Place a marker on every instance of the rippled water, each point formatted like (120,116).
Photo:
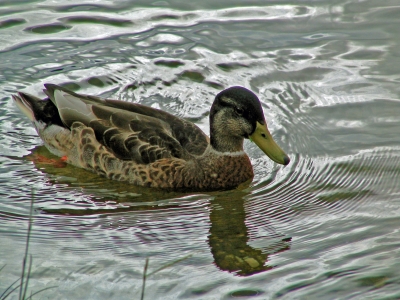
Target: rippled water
(324,227)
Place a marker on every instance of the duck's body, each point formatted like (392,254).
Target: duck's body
(149,147)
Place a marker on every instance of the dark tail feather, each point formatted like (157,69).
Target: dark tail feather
(37,109)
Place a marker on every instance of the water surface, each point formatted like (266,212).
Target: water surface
(323,227)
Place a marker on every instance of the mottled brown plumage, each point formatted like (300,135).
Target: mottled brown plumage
(149,147)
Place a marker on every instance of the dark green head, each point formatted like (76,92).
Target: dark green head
(239,102)
(236,114)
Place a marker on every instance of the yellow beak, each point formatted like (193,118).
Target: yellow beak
(264,140)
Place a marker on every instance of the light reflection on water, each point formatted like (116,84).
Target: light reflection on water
(327,224)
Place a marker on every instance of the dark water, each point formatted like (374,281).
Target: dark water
(324,227)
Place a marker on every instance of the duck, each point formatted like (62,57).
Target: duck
(149,147)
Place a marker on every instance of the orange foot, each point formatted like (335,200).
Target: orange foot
(40,159)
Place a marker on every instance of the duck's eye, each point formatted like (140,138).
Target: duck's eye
(238,111)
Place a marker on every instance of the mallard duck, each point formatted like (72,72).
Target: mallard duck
(150,147)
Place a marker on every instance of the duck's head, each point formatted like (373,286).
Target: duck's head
(236,114)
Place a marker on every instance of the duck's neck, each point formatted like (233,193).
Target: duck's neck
(211,151)
(224,132)
(226,143)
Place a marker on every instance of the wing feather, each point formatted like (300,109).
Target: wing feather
(130,131)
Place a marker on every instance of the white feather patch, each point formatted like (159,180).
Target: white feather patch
(72,108)
(25,107)
(211,150)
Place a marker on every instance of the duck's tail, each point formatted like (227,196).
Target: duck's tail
(24,105)
(38,110)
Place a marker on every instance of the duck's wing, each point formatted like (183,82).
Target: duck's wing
(130,131)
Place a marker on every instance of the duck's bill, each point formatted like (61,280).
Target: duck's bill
(263,139)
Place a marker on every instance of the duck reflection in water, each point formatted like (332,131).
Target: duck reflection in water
(228,236)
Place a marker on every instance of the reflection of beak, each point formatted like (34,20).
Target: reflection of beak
(264,140)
